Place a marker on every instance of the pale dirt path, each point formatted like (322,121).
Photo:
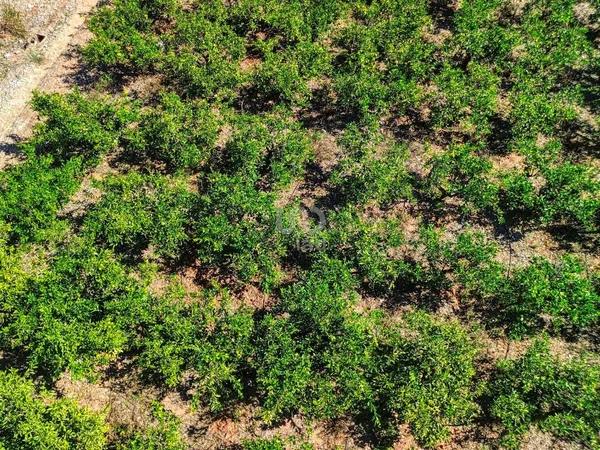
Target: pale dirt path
(54,73)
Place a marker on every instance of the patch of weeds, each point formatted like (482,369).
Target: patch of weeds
(11,21)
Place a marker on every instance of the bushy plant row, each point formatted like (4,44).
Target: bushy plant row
(236,226)
(546,191)
(315,353)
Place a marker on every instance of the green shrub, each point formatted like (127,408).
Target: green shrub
(564,294)
(536,109)
(467,262)
(518,197)
(76,315)
(359,84)
(16,267)
(539,155)
(302,365)
(383,57)
(162,9)
(560,397)
(138,212)
(32,194)
(203,54)
(246,150)
(556,45)
(293,21)
(76,125)
(273,149)
(466,98)
(283,76)
(279,79)
(123,38)
(420,372)
(180,134)
(208,338)
(290,151)
(237,228)
(400,25)
(425,377)
(365,245)
(479,32)
(264,444)
(550,193)
(372,177)
(36,419)
(461,172)
(572,194)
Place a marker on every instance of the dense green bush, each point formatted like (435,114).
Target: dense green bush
(560,397)
(565,295)
(556,45)
(264,444)
(179,134)
(77,314)
(32,194)
(467,262)
(420,372)
(237,227)
(546,192)
(246,150)
(283,76)
(359,85)
(75,125)
(536,109)
(562,296)
(572,195)
(140,212)
(14,276)
(35,419)
(479,33)
(209,338)
(76,131)
(123,38)
(203,53)
(290,151)
(292,21)
(455,104)
(518,197)
(301,365)
(425,376)
(271,149)
(365,246)
(374,175)
(461,171)
(383,57)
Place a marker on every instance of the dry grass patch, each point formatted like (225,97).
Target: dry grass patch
(11,22)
